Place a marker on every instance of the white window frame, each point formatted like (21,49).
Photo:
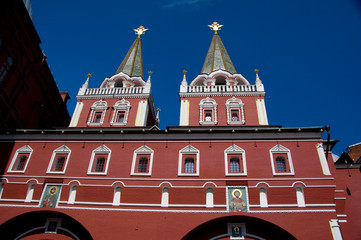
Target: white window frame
(204,105)
(235,104)
(102,150)
(72,194)
(235,150)
(23,150)
(117,195)
(99,106)
(63,150)
(241,225)
(143,150)
(165,197)
(188,150)
(300,196)
(30,192)
(279,149)
(209,197)
(1,189)
(119,106)
(263,200)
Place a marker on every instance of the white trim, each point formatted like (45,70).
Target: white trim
(1,189)
(235,104)
(23,150)
(116,195)
(61,150)
(209,197)
(122,105)
(208,104)
(335,229)
(30,192)
(263,202)
(341,215)
(323,160)
(142,113)
(184,113)
(235,150)
(72,194)
(76,115)
(165,197)
(300,196)
(146,151)
(103,150)
(261,112)
(99,106)
(281,150)
(188,150)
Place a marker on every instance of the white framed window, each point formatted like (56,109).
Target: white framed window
(208,112)
(209,197)
(165,197)
(20,160)
(235,112)
(97,114)
(30,192)
(99,161)
(263,202)
(188,161)
(116,196)
(121,112)
(72,194)
(52,225)
(142,161)
(1,189)
(235,161)
(300,196)
(281,160)
(236,230)
(59,160)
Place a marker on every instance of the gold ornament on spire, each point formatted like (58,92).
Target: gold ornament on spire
(215,26)
(256,70)
(184,71)
(150,72)
(140,31)
(89,74)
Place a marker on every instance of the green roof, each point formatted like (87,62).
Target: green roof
(132,64)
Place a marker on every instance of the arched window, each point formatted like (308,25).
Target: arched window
(142,165)
(21,159)
(97,114)
(208,111)
(263,197)
(189,165)
(30,192)
(234,165)
(235,113)
(72,194)
(300,197)
(59,160)
(121,112)
(99,161)
(116,197)
(281,160)
(118,83)
(209,197)
(235,161)
(165,197)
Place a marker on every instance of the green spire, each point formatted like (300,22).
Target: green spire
(132,64)
(217,56)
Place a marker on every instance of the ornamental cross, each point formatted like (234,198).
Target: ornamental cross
(215,26)
(140,30)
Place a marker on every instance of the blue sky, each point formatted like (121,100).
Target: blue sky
(308,52)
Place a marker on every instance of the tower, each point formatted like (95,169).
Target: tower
(123,100)
(219,96)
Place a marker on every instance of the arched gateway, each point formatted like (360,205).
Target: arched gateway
(43,225)
(238,227)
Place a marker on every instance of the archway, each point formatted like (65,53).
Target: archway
(43,225)
(252,228)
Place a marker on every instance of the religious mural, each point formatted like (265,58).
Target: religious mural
(50,196)
(237,199)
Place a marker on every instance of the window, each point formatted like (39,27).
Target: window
(116,197)
(209,197)
(72,194)
(165,197)
(59,160)
(30,192)
(52,225)
(1,189)
(97,113)
(142,161)
(300,197)
(120,115)
(263,197)
(189,165)
(188,162)
(235,161)
(21,159)
(281,160)
(235,113)
(208,111)
(99,161)
(5,67)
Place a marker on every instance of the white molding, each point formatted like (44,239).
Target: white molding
(235,104)
(104,150)
(188,150)
(146,151)
(23,150)
(76,115)
(122,105)
(100,106)
(60,150)
(281,149)
(184,113)
(208,104)
(322,158)
(235,150)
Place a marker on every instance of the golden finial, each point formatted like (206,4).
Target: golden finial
(256,70)
(158,109)
(150,72)
(215,26)
(184,71)
(140,30)
(89,74)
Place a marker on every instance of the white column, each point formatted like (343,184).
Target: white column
(300,197)
(165,197)
(322,157)
(30,192)
(116,198)
(209,197)
(263,197)
(72,194)
(335,229)
(76,115)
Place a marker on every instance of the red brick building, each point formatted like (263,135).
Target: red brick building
(223,173)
